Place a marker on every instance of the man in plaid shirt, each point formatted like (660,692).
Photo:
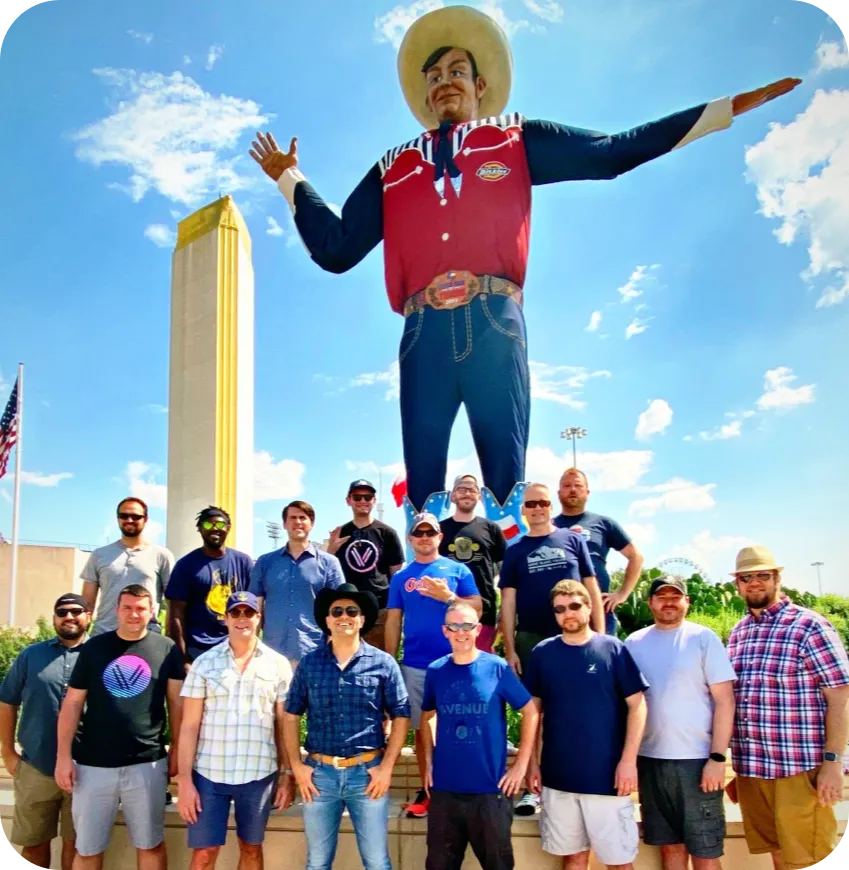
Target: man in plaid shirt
(791,724)
(232,747)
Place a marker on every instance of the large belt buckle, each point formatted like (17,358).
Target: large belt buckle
(336,760)
(451,290)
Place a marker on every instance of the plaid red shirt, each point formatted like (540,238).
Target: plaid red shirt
(783,661)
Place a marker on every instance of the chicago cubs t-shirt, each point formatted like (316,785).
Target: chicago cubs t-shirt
(205,583)
(424,617)
(126,681)
(369,554)
(470,755)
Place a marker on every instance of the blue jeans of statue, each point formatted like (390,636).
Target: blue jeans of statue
(475,355)
(338,790)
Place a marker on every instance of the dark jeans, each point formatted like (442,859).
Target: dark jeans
(456,820)
(475,355)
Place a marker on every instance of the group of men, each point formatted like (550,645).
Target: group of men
(316,632)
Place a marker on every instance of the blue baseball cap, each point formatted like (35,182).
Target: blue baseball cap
(243,599)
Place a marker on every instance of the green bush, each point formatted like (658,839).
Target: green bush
(13,640)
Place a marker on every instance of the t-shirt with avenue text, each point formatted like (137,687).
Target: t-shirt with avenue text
(368,555)
(424,617)
(479,544)
(205,583)
(126,681)
(470,755)
(583,691)
(533,565)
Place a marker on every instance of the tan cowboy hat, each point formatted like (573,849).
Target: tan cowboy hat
(755,558)
(459,27)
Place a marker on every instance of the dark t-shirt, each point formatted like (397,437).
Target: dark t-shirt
(532,566)
(205,584)
(368,556)
(126,682)
(602,535)
(479,544)
(583,691)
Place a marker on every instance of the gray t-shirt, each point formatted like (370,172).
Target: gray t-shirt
(680,666)
(114,567)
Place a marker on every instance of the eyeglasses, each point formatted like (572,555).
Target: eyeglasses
(461,626)
(423,533)
(362,496)
(218,525)
(572,605)
(350,610)
(537,502)
(763,576)
(134,517)
(242,612)
(62,612)
(466,490)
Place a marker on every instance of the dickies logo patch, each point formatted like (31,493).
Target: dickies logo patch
(492,170)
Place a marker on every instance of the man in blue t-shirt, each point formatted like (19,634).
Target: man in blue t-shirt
(470,788)
(419,595)
(200,584)
(602,535)
(591,695)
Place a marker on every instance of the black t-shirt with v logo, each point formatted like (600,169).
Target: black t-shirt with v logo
(369,554)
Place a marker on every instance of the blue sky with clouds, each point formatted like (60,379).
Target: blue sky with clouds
(692,315)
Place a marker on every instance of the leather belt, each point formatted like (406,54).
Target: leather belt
(453,289)
(339,761)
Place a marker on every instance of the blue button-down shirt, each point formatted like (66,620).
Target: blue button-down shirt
(346,707)
(289,587)
(37,681)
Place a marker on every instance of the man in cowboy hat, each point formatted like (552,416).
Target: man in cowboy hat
(453,206)
(347,688)
(791,723)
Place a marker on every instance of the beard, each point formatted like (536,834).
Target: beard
(758,601)
(574,627)
(70,632)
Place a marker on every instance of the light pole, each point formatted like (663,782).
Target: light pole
(274,532)
(573,433)
(818,565)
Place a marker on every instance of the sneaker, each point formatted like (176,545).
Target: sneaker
(169,798)
(419,807)
(527,805)
(511,749)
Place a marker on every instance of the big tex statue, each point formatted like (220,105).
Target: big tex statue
(453,208)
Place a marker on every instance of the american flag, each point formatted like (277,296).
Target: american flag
(8,429)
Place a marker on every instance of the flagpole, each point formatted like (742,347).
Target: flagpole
(13,577)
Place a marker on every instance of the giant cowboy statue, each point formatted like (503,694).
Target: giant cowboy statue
(453,208)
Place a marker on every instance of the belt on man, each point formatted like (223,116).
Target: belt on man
(339,761)
(452,289)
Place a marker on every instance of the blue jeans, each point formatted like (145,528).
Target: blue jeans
(475,355)
(339,789)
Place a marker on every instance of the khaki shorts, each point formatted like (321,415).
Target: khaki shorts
(785,814)
(377,636)
(40,808)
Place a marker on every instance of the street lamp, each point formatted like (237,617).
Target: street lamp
(818,565)
(275,532)
(573,433)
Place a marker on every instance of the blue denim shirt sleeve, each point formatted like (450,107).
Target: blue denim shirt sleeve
(296,699)
(257,584)
(11,692)
(334,577)
(396,700)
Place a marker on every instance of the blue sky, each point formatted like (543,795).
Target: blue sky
(692,315)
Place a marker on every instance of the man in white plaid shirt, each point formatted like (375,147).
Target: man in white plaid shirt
(231,746)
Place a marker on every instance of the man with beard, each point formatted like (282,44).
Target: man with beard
(129,560)
(369,551)
(791,724)
(602,534)
(681,764)
(36,682)
(201,584)
(479,544)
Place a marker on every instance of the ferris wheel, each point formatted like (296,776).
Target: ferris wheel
(683,567)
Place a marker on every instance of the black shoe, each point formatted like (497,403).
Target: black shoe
(169,798)
(527,805)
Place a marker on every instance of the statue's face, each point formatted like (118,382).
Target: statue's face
(452,92)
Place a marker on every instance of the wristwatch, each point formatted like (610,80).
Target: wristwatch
(452,600)
(718,756)
(831,756)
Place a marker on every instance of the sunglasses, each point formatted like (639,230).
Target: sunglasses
(562,608)
(62,612)
(466,490)
(242,612)
(218,525)
(134,517)
(350,610)
(362,496)
(461,626)
(763,576)
(538,502)
(423,533)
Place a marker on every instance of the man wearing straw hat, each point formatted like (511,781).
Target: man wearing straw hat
(791,723)
(453,207)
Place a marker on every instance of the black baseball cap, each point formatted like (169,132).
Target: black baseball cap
(361,484)
(675,582)
(71,598)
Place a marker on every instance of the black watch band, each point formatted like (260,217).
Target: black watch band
(718,756)
(831,756)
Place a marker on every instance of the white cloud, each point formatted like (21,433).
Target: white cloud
(153,531)
(715,554)
(636,285)
(156,408)
(801,170)
(636,326)
(370,469)
(495,10)
(277,480)
(677,495)
(5,496)
(36,478)
(595,321)
(392,26)
(186,60)
(654,420)
(213,55)
(731,429)
(146,38)
(831,55)
(607,472)
(161,235)
(779,395)
(561,384)
(173,136)
(389,377)
(274,228)
(643,534)
(141,477)
(548,10)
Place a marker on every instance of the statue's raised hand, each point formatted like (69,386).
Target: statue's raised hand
(273,161)
(752,99)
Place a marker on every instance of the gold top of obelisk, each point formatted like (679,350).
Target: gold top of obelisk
(221,213)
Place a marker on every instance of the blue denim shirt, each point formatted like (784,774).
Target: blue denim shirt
(37,681)
(346,707)
(289,587)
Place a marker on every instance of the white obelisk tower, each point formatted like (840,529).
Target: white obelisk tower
(210,405)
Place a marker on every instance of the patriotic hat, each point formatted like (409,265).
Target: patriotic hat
(459,27)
